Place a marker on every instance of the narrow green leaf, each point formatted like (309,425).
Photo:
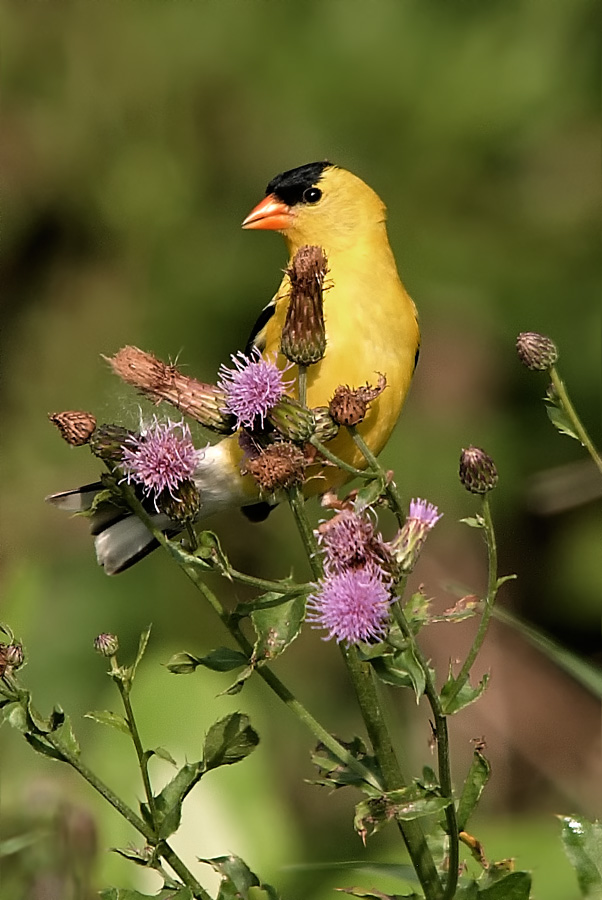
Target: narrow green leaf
(477,778)
(222,659)
(238,881)
(168,803)
(452,702)
(182,893)
(582,841)
(336,773)
(68,738)
(142,644)
(369,494)
(106,717)
(473,521)
(237,686)
(163,754)
(560,420)
(403,669)
(228,741)
(276,624)
(417,611)
(18,718)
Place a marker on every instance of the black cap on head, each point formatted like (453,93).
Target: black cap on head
(289,186)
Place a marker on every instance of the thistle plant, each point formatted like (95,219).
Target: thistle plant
(356,599)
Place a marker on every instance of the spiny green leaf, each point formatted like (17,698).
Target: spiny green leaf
(222,659)
(474,521)
(477,778)
(106,717)
(229,740)
(163,754)
(369,494)
(142,644)
(582,841)
(237,686)
(169,802)
(277,624)
(560,420)
(339,774)
(403,669)
(453,700)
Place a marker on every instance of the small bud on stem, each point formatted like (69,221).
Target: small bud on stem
(304,335)
(536,351)
(349,406)
(478,473)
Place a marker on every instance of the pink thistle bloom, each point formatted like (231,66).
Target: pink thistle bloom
(160,458)
(252,387)
(352,605)
(349,541)
(406,546)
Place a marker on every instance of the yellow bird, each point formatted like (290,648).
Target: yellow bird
(371,329)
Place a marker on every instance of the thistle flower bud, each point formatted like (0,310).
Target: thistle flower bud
(536,351)
(14,656)
(325,426)
(293,420)
(407,544)
(203,402)
(304,335)
(478,473)
(349,406)
(106,644)
(182,506)
(75,427)
(279,466)
(108,442)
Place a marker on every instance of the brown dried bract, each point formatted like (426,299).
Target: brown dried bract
(278,466)
(304,334)
(349,405)
(161,382)
(75,427)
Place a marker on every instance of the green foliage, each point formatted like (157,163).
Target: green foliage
(582,841)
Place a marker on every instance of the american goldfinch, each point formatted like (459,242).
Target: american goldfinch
(371,329)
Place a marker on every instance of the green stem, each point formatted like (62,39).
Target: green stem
(324,451)
(443,756)
(124,690)
(263,584)
(492,589)
(124,810)
(302,383)
(364,682)
(389,486)
(571,413)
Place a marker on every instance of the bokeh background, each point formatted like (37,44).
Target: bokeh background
(136,137)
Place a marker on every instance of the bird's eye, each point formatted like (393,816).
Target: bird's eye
(312,195)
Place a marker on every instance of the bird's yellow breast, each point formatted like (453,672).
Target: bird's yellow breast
(371,329)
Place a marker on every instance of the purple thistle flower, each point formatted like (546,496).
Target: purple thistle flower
(252,388)
(349,541)
(352,605)
(408,543)
(160,458)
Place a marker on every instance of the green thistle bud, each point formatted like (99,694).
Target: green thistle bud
(536,351)
(478,473)
(106,644)
(326,427)
(108,442)
(293,420)
(182,506)
(304,335)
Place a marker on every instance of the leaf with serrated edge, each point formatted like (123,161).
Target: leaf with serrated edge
(106,717)
(277,625)
(467,694)
(141,648)
(561,421)
(229,740)
(477,778)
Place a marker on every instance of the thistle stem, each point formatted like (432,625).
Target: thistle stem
(124,690)
(571,413)
(302,383)
(492,589)
(443,756)
(389,486)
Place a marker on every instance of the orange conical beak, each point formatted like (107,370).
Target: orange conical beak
(270,215)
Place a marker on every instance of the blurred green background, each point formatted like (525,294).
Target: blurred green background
(136,138)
